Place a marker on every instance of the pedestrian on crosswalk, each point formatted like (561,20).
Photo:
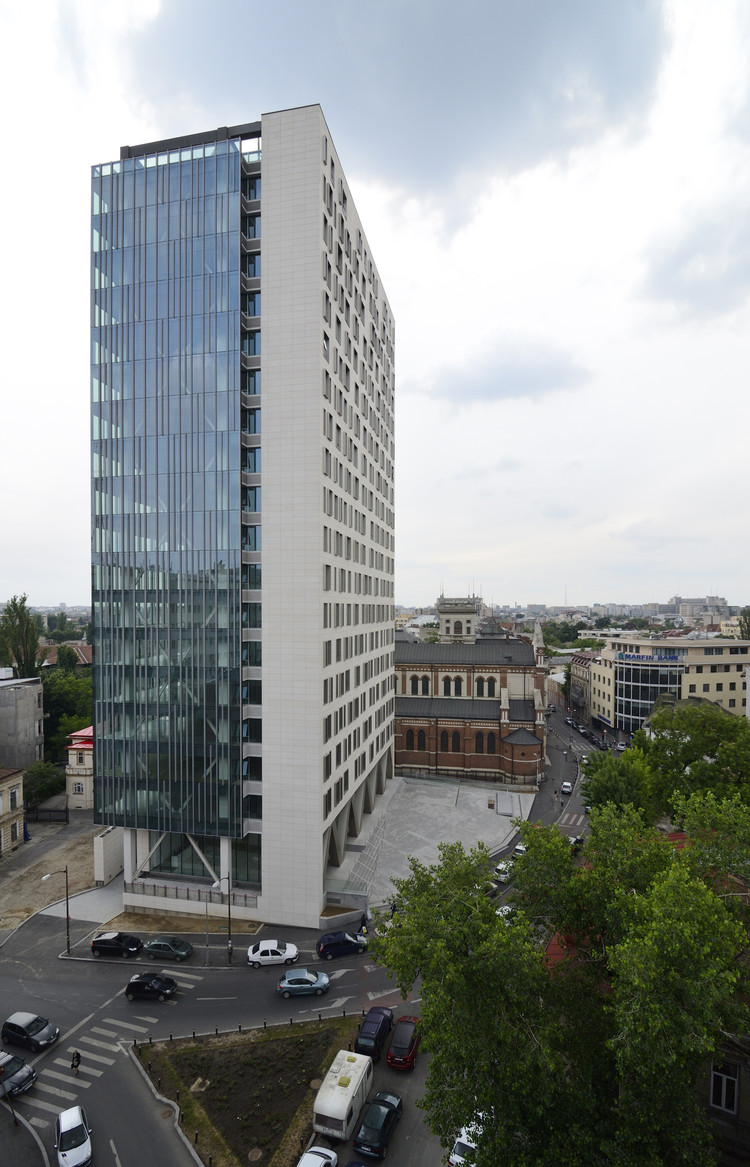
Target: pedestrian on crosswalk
(75,1062)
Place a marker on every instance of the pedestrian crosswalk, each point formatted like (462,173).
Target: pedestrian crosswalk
(572,820)
(100,1044)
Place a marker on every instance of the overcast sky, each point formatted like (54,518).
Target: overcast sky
(556,195)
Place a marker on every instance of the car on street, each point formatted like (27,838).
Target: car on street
(116,944)
(402,1052)
(620,747)
(576,843)
(519,850)
(16,1075)
(566,788)
(73,1138)
(373,1031)
(272,952)
(29,1030)
(465,1145)
(504,870)
(569,721)
(377,1127)
(318,1157)
(505,912)
(151,985)
(302,982)
(168,948)
(340,944)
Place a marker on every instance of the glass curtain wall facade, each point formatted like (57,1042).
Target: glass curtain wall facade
(167,495)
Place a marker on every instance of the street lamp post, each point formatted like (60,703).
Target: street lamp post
(63,871)
(218,884)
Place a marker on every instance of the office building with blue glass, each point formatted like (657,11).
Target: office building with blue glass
(242,371)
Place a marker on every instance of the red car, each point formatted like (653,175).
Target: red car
(402,1052)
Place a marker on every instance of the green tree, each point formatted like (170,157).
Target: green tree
(19,639)
(695,747)
(622,780)
(576,1060)
(744,624)
(40,781)
(67,660)
(68,706)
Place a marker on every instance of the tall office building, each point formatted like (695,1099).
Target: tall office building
(243,517)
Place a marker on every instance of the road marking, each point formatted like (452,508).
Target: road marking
(114,1152)
(104,1032)
(40,1085)
(185,973)
(42,1123)
(110,1045)
(40,1104)
(69,1078)
(127,1025)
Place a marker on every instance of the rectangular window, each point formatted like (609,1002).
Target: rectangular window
(14,798)
(14,832)
(706,688)
(724,1087)
(691,688)
(719,687)
(79,758)
(78,787)
(732,702)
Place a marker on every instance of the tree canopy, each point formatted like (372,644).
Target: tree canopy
(19,639)
(576,1054)
(68,706)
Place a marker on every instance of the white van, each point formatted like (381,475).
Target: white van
(342,1095)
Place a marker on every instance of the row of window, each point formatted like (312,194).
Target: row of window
(453,686)
(451,743)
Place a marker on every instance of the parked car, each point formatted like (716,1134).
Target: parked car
(340,944)
(303,981)
(504,870)
(576,843)
(318,1157)
(150,985)
(272,952)
(465,1145)
(519,850)
(73,1138)
(17,1076)
(569,721)
(402,1052)
(116,944)
(566,788)
(29,1030)
(377,1127)
(620,746)
(168,948)
(373,1032)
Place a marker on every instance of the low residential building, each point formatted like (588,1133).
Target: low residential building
(633,671)
(21,721)
(11,810)
(79,772)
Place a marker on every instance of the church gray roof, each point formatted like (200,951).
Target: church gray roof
(460,708)
(522,737)
(489,654)
(463,708)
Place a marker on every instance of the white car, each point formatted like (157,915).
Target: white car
(620,747)
(73,1138)
(503,871)
(566,788)
(519,850)
(318,1157)
(465,1145)
(272,952)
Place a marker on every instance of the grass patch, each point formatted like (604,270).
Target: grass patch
(249,1092)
